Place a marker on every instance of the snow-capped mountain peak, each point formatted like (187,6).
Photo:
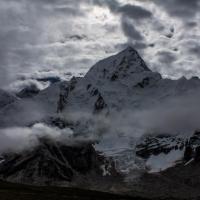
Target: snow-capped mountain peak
(112,82)
(120,66)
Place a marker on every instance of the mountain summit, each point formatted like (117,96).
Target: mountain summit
(119,66)
(112,83)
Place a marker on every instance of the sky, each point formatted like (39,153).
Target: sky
(60,38)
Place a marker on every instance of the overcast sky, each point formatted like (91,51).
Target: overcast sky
(55,37)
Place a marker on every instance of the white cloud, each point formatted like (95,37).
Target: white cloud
(17,139)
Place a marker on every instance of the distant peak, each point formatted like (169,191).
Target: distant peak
(120,65)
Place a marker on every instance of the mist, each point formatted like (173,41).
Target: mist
(18,139)
(178,115)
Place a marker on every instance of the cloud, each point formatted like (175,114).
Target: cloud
(177,115)
(166,57)
(180,8)
(174,115)
(18,139)
(70,36)
(113,5)
(28,84)
(127,12)
(21,23)
(135,12)
(130,31)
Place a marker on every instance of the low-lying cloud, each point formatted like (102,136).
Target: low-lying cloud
(17,139)
(177,115)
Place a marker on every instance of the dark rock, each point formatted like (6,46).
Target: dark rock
(89,86)
(188,154)
(154,145)
(51,162)
(100,104)
(197,154)
(94,92)
(145,82)
(51,79)
(65,90)
(114,77)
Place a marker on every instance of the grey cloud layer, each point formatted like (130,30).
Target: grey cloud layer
(181,8)
(71,35)
(127,12)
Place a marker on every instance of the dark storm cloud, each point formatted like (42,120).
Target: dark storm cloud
(135,12)
(130,31)
(180,8)
(128,11)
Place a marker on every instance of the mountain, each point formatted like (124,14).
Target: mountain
(110,113)
(120,82)
(123,81)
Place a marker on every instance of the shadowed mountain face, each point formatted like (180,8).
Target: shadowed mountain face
(53,163)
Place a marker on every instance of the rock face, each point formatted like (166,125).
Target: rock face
(192,148)
(65,90)
(53,163)
(155,145)
(165,144)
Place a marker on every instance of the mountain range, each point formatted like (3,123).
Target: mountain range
(117,130)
